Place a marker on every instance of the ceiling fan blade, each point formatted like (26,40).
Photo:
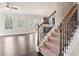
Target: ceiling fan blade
(14,7)
(8,5)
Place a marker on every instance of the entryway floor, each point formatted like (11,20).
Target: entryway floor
(33,54)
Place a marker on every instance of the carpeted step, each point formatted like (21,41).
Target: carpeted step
(52,46)
(54,40)
(47,52)
(56,30)
(55,35)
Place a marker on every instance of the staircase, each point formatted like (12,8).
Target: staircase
(52,45)
(56,41)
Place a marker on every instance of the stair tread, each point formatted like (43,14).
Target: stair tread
(56,30)
(55,41)
(53,38)
(55,35)
(52,46)
(47,52)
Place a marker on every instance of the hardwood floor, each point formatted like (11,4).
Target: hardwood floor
(33,54)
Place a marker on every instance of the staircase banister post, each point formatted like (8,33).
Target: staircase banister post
(60,28)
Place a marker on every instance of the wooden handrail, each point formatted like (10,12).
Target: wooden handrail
(47,18)
(67,13)
(67,18)
(72,14)
(52,14)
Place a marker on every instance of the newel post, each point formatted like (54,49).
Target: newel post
(61,39)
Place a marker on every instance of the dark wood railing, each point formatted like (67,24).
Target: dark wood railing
(47,18)
(67,29)
(41,33)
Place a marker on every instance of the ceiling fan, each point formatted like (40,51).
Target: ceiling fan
(8,5)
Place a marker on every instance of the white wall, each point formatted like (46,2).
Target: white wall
(29,22)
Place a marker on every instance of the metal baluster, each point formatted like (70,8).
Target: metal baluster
(61,38)
(65,37)
(68,33)
(38,35)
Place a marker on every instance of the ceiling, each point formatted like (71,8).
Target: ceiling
(35,8)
